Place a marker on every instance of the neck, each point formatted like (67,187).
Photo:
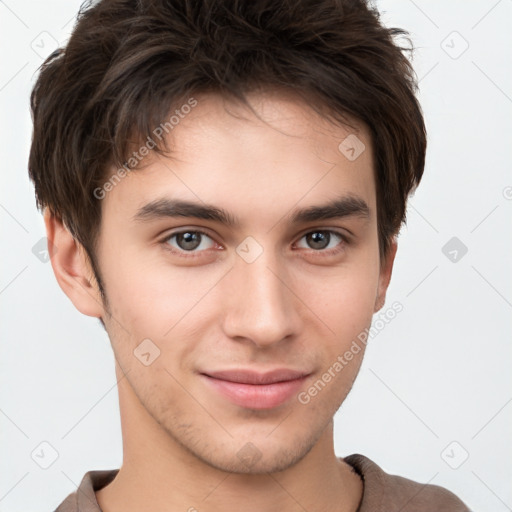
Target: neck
(159,474)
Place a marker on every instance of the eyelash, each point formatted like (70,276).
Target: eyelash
(194,254)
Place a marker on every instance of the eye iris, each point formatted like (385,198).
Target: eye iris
(188,240)
(319,239)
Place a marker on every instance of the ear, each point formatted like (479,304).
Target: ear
(386,269)
(72,268)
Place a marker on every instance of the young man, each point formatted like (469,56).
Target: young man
(223,184)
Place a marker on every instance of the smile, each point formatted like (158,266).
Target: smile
(255,390)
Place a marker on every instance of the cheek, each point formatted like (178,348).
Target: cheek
(156,302)
(343,299)
(151,296)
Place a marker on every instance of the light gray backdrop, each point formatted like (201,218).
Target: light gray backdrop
(433,400)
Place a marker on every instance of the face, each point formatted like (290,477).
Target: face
(225,325)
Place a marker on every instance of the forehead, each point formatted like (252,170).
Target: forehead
(281,156)
(273,121)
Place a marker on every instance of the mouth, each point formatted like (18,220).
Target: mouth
(256,390)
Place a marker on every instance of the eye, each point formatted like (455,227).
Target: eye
(326,241)
(193,242)
(188,241)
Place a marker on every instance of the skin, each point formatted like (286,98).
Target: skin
(293,307)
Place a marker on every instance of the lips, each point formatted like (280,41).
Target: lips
(256,390)
(252,377)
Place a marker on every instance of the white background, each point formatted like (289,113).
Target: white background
(438,373)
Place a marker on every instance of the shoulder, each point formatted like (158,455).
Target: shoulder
(84,498)
(383,491)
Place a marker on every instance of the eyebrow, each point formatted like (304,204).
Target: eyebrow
(342,207)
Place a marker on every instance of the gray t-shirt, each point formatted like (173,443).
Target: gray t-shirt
(382,492)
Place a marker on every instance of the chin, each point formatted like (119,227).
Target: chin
(254,457)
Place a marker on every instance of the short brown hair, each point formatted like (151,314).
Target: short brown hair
(129,63)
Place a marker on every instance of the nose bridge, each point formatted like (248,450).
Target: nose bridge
(261,307)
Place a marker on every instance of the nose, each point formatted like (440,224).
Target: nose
(261,306)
